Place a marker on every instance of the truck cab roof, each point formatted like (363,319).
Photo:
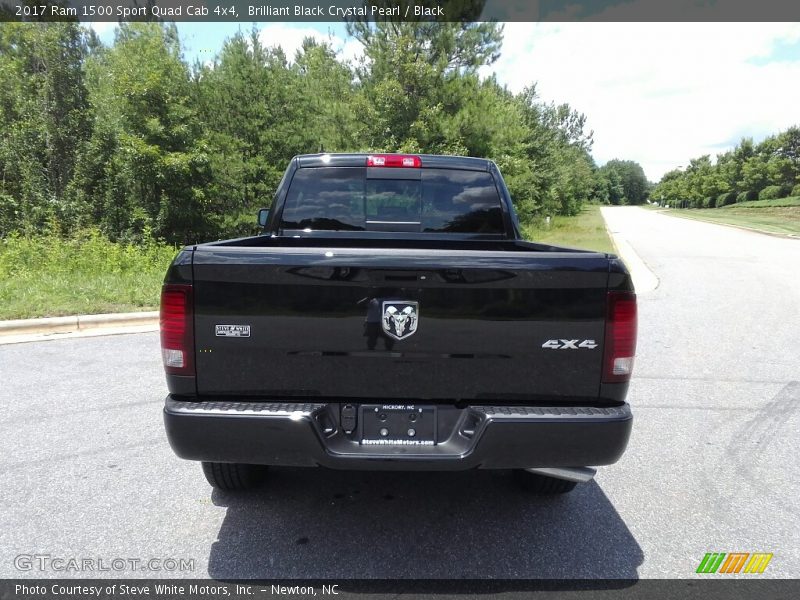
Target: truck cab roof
(429,161)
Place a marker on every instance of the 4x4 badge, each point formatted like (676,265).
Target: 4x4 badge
(569,344)
(400,318)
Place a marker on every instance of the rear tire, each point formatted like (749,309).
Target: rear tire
(541,484)
(234,477)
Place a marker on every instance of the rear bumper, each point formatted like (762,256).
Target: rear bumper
(308,434)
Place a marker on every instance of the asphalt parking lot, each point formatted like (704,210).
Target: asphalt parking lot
(711,466)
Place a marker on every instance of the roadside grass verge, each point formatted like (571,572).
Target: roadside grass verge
(87,274)
(778,202)
(44,276)
(766,219)
(586,230)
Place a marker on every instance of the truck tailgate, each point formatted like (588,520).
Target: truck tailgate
(491,326)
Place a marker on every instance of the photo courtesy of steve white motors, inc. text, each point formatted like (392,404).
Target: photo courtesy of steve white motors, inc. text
(141,589)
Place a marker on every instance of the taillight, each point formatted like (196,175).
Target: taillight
(394,160)
(177,329)
(620,344)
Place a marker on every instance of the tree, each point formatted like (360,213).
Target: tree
(417,79)
(628,183)
(739,174)
(258,111)
(327,85)
(755,175)
(130,139)
(783,165)
(448,46)
(146,167)
(43,108)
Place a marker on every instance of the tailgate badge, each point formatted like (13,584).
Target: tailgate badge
(400,318)
(233,330)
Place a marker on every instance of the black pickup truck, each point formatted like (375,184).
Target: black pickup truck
(391,317)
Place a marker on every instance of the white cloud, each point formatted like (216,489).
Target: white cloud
(291,40)
(659,93)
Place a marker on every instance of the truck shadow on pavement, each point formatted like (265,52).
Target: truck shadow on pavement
(319,523)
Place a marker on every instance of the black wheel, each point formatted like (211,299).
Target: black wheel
(541,484)
(232,477)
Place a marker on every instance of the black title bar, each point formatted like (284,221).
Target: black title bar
(400,10)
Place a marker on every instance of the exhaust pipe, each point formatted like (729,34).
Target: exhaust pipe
(578,474)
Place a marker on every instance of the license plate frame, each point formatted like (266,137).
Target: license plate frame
(393,424)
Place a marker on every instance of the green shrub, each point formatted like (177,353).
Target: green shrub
(46,275)
(9,211)
(726,199)
(795,190)
(709,202)
(771,192)
(747,196)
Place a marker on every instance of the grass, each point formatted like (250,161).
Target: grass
(586,230)
(49,276)
(764,218)
(44,276)
(791,201)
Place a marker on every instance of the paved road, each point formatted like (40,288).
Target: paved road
(711,465)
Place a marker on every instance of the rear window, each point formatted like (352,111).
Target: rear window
(327,198)
(433,200)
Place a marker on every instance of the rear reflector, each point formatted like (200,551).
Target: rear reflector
(620,344)
(394,160)
(177,329)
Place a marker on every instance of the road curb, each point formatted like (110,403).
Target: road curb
(50,325)
(644,280)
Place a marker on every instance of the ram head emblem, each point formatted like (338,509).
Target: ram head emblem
(400,318)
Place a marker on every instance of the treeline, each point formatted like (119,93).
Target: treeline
(764,171)
(621,182)
(132,140)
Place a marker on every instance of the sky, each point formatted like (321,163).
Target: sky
(656,93)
